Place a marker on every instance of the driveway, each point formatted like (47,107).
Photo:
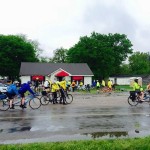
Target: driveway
(89,116)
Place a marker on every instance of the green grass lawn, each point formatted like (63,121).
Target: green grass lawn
(127,87)
(119,88)
(116,144)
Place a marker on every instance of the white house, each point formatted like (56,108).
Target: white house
(125,80)
(30,71)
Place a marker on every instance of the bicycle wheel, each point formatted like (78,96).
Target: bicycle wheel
(35,103)
(58,94)
(69,98)
(132,102)
(44,100)
(4,104)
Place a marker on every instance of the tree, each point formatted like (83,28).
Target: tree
(60,55)
(124,69)
(34,43)
(103,53)
(139,63)
(13,51)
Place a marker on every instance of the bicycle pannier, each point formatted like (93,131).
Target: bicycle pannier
(132,95)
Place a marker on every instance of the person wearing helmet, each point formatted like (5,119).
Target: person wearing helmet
(138,89)
(54,90)
(47,85)
(11,93)
(62,84)
(23,89)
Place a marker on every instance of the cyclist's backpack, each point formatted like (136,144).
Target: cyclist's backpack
(10,89)
(132,95)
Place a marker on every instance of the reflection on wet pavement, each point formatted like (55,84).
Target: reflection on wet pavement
(83,121)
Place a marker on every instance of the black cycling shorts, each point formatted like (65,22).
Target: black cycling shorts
(10,96)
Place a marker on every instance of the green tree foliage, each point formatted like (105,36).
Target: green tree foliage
(59,55)
(124,69)
(139,63)
(13,51)
(103,53)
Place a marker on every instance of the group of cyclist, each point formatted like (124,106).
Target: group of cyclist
(14,90)
(55,86)
(103,86)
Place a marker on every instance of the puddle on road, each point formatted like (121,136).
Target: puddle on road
(13,130)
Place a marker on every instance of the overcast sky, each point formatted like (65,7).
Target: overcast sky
(60,23)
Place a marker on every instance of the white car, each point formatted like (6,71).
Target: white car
(3,87)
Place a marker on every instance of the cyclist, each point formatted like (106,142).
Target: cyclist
(54,90)
(138,89)
(23,89)
(47,85)
(12,92)
(62,85)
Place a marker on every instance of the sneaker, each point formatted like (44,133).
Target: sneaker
(64,103)
(24,106)
(21,105)
(12,107)
(142,100)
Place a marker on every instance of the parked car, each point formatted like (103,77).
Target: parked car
(3,87)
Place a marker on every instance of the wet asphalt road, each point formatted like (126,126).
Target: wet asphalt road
(99,116)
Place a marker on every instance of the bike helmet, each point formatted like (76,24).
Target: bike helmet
(29,82)
(15,82)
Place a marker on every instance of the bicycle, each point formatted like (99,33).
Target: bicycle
(34,102)
(134,98)
(48,97)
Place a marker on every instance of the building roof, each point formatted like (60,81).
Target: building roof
(31,68)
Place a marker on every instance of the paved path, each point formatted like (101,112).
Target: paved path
(89,116)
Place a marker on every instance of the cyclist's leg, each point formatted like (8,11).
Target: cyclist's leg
(11,99)
(61,96)
(54,97)
(64,96)
(22,100)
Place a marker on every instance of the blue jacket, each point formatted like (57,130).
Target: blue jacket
(24,88)
(12,89)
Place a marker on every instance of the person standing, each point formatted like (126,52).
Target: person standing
(47,85)
(73,85)
(36,84)
(109,84)
(97,85)
(62,85)
(54,90)
(103,83)
(81,85)
(94,84)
